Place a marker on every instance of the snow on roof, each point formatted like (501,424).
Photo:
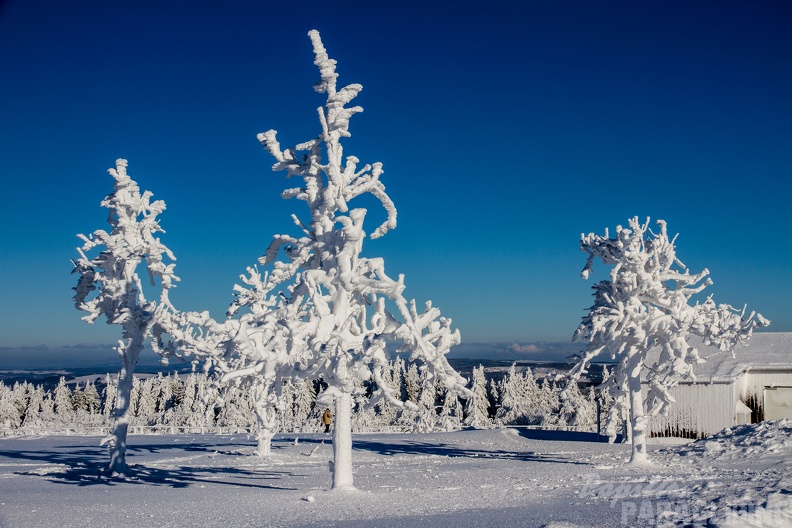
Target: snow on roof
(765,351)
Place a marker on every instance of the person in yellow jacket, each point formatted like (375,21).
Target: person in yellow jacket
(327,419)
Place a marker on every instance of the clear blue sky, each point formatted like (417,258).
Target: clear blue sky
(505,129)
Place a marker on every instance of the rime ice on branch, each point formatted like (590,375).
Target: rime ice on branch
(120,298)
(322,310)
(645,304)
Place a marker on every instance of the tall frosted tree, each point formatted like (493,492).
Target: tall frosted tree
(109,286)
(644,304)
(324,311)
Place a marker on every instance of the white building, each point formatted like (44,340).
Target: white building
(752,386)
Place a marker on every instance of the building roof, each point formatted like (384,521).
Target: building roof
(765,351)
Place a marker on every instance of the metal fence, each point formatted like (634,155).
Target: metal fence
(225,430)
(169,429)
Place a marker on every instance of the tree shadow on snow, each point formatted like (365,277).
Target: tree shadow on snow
(87,466)
(410,447)
(564,436)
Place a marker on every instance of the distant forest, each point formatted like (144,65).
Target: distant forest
(195,402)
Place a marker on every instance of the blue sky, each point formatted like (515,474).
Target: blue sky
(505,129)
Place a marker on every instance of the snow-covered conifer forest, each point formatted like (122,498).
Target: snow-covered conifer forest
(195,402)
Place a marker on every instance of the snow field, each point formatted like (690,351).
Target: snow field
(497,477)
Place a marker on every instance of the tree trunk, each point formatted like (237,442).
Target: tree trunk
(268,426)
(117,439)
(637,419)
(342,443)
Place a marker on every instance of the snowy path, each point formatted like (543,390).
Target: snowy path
(470,478)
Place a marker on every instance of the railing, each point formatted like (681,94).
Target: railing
(575,428)
(170,429)
(72,430)
(132,430)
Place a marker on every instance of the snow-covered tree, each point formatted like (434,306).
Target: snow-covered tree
(9,412)
(412,383)
(332,320)
(387,413)
(79,402)
(477,405)
(451,413)
(64,408)
(35,407)
(92,400)
(21,396)
(304,402)
(146,408)
(576,409)
(646,304)
(119,297)
(108,397)
(426,417)
(521,401)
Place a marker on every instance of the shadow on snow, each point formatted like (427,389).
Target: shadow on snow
(451,451)
(87,466)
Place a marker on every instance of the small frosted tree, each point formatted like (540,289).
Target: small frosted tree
(64,408)
(451,413)
(304,402)
(108,397)
(645,304)
(477,405)
(9,412)
(35,407)
(521,399)
(575,409)
(386,413)
(119,296)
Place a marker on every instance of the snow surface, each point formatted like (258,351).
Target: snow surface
(497,477)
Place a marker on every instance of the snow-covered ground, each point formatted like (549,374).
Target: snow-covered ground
(499,477)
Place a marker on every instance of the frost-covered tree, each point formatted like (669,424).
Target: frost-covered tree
(64,407)
(451,413)
(477,405)
(35,407)
(646,304)
(426,417)
(304,402)
(576,409)
(412,383)
(108,397)
(79,402)
(521,399)
(9,412)
(21,395)
(92,400)
(164,400)
(333,313)
(146,407)
(387,413)
(119,295)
